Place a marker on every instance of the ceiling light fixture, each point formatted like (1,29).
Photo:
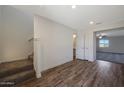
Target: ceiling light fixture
(91,22)
(73,6)
(74,35)
(100,37)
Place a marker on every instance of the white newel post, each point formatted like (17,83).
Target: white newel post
(37,57)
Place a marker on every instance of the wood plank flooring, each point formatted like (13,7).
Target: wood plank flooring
(80,74)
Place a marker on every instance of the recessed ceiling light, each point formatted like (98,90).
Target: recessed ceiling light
(73,6)
(74,35)
(91,22)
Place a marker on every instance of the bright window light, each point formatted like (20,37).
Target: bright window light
(103,43)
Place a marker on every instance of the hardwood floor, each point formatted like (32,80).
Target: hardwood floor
(81,74)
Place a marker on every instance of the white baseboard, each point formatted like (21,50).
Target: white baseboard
(38,75)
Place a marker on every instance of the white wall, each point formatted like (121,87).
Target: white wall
(116,45)
(1,31)
(56,43)
(18,29)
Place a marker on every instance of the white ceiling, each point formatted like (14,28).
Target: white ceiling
(112,33)
(79,17)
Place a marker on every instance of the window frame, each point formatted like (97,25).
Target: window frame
(104,43)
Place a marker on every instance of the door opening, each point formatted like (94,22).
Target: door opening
(74,46)
(110,46)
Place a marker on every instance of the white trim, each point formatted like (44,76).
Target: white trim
(38,75)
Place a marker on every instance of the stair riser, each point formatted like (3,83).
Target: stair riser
(14,71)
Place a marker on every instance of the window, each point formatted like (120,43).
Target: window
(103,43)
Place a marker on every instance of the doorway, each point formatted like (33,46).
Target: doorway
(74,46)
(110,45)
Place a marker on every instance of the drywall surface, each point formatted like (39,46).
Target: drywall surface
(17,30)
(55,43)
(1,31)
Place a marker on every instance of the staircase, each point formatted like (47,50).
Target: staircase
(30,57)
(12,73)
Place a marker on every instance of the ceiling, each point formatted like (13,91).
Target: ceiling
(79,17)
(111,33)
